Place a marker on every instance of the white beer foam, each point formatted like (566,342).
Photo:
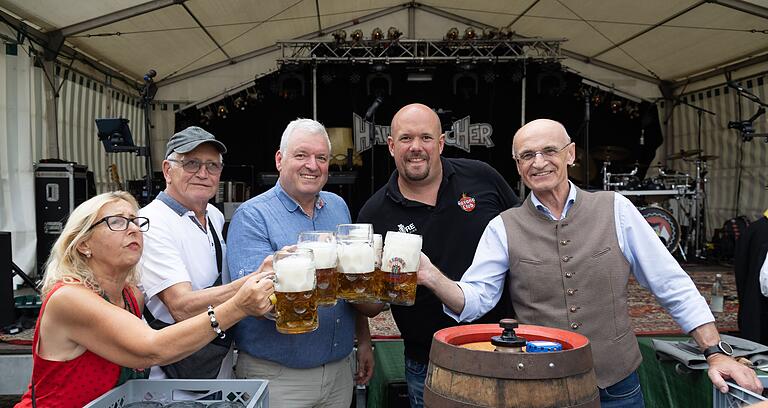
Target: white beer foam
(325,253)
(359,232)
(406,247)
(378,246)
(355,257)
(294,275)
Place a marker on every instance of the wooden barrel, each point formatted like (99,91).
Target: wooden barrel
(468,377)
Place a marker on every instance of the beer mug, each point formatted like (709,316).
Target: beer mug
(323,246)
(296,305)
(356,263)
(396,283)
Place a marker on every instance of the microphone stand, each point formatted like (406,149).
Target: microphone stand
(699,193)
(745,126)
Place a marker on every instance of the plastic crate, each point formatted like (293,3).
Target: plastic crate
(737,396)
(251,393)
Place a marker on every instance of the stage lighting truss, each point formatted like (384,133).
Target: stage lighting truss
(421,51)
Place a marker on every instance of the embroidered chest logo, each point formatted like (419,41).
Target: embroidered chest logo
(467,203)
(408,229)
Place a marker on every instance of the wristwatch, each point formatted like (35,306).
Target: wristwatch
(720,348)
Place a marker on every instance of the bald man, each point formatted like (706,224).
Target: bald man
(568,268)
(446,201)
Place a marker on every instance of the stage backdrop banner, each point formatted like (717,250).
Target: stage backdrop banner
(738,162)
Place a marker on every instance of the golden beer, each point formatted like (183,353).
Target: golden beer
(357,287)
(296,305)
(296,312)
(356,263)
(327,286)
(323,246)
(396,288)
(396,283)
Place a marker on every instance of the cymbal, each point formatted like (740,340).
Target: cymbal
(578,171)
(683,154)
(706,157)
(608,153)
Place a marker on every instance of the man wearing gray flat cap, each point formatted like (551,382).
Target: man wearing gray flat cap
(184,253)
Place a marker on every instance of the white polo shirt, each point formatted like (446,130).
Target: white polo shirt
(177,249)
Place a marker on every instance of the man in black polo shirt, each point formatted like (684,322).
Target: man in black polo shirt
(446,201)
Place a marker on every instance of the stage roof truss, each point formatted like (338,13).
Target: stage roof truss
(420,51)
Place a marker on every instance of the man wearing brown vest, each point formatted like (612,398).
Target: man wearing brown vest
(571,268)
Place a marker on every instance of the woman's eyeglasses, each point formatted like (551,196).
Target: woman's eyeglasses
(120,223)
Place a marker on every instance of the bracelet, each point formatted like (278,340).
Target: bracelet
(215,323)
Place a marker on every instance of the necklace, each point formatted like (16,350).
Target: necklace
(126,304)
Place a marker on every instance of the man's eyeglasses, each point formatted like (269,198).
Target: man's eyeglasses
(549,151)
(120,223)
(193,166)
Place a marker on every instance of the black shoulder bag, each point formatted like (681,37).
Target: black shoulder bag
(206,362)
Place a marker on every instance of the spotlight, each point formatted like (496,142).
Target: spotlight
(222,111)
(615,106)
(490,33)
(507,33)
(240,103)
(393,33)
(633,111)
(340,36)
(377,34)
(452,34)
(470,34)
(597,99)
(357,35)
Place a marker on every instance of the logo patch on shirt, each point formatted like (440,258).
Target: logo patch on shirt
(408,229)
(467,203)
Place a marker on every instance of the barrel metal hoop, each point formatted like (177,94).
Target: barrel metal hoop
(524,366)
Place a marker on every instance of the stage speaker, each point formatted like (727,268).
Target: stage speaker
(59,188)
(7,309)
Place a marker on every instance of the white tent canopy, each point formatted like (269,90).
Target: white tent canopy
(201,47)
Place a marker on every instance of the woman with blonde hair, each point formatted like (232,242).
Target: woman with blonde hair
(89,336)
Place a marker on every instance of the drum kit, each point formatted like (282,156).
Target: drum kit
(671,201)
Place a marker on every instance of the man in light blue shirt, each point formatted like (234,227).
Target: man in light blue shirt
(312,369)
(571,271)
